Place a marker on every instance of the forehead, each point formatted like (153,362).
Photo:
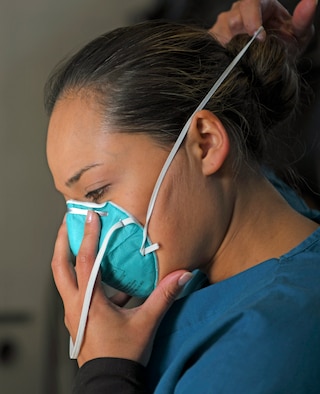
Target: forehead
(73,118)
(76,136)
(79,138)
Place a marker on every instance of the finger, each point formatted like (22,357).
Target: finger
(227,25)
(303,17)
(88,249)
(269,13)
(163,296)
(235,20)
(251,13)
(62,268)
(245,17)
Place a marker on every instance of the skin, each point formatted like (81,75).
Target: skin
(236,224)
(224,225)
(246,16)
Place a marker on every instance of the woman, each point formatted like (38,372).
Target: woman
(116,109)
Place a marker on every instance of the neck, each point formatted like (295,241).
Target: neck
(262,226)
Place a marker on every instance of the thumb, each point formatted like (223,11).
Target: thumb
(164,295)
(154,308)
(303,16)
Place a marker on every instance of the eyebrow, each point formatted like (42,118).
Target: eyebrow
(75,178)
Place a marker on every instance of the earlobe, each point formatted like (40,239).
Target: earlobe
(212,140)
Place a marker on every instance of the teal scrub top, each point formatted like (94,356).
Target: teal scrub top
(256,332)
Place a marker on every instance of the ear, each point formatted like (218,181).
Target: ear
(209,140)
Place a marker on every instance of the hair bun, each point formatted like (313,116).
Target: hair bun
(272,75)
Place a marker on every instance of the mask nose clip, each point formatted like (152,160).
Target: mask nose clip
(101,213)
(84,212)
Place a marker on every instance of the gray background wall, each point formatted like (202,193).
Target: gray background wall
(34,36)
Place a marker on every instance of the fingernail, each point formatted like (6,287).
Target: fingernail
(261,36)
(89,216)
(184,278)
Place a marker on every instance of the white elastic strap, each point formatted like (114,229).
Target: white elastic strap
(184,131)
(74,349)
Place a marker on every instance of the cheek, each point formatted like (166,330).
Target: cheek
(136,194)
(136,205)
(171,226)
(176,246)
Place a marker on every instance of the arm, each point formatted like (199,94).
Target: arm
(246,16)
(110,375)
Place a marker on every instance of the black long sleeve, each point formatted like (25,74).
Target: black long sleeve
(110,375)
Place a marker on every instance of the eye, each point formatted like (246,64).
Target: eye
(97,195)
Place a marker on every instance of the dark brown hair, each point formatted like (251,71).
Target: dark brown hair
(150,77)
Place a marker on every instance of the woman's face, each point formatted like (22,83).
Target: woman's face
(90,161)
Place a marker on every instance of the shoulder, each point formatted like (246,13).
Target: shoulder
(292,197)
(267,345)
(257,332)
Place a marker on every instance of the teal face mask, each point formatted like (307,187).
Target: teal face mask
(127,258)
(122,264)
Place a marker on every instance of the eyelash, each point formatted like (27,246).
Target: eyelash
(96,195)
